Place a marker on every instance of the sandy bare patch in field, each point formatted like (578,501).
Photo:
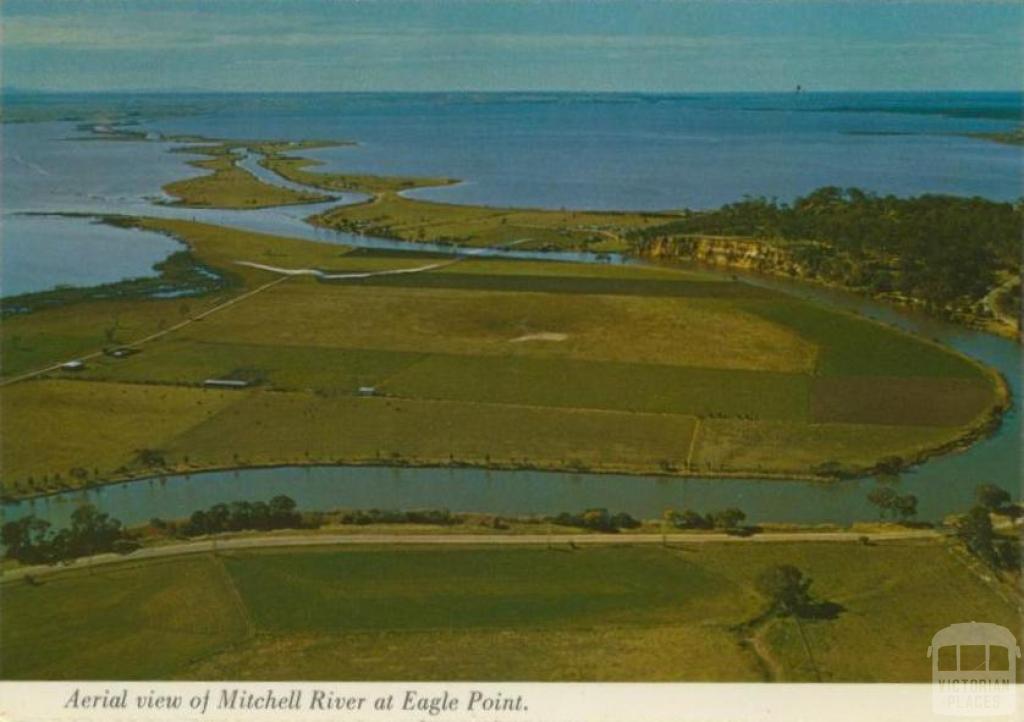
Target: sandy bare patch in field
(544,336)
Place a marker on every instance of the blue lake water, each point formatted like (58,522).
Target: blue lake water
(543,150)
(649,152)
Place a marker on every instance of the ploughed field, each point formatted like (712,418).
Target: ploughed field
(684,612)
(485,362)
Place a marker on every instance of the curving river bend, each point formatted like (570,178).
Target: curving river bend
(943,485)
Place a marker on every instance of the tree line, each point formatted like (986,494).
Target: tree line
(728,519)
(980,538)
(599,519)
(31,540)
(278,513)
(935,248)
(437,517)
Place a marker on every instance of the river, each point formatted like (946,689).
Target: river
(944,485)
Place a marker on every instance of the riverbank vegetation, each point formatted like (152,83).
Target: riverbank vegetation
(944,253)
(643,613)
(31,541)
(484,362)
(982,539)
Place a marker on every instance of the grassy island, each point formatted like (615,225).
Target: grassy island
(230,186)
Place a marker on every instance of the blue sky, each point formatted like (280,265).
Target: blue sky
(598,45)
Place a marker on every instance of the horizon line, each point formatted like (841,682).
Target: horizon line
(493,91)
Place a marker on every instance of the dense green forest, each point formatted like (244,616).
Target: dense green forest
(939,249)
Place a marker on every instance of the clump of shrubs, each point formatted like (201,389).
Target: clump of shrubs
(730,519)
(598,520)
(278,513)
(438,517)
(979,536)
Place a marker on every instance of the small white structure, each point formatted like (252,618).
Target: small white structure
(75,365)
(226,383)
(367,390)
(120,351)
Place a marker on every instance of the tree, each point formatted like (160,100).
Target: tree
(110,332)
(891,504)
(259,515)
(31,541)
(92,531)
(728,518)
(690,519)
(905,506)
(217,517)
(1008,554)
(884,498)
(17,536)
(622,520)
(975,530)
(282,511)
(150,457)
(598,519)
(992,497)
(786,588)
(240,516)
(197,524)
(890,466)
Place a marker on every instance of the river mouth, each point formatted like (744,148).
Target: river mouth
(944,485)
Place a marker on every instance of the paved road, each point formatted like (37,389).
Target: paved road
(270,541)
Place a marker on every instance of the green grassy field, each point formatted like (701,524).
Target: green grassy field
(391,215)
(852,346)
(597,613)
(484,362)
(128,417)
(271,429)
(129,622)
(794,447)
